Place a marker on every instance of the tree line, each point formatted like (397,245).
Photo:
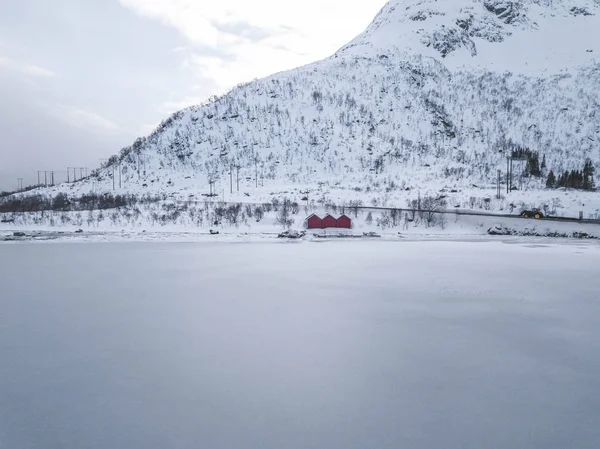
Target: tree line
(534,167)
(62,202)
(574,179)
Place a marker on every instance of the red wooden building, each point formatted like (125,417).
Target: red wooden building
(344,222)
(314,222)
(329,222)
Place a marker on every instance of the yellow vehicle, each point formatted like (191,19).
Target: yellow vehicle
(532,214)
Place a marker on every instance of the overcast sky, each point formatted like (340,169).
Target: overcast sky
(80,79)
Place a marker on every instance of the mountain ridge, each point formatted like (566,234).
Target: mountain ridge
(380,122)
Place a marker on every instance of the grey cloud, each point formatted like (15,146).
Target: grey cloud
(32,140)
(25,68)
(246,30)
(113,67)
(206,51)
(287,49)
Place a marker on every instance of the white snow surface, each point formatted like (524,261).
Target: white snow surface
(415,345)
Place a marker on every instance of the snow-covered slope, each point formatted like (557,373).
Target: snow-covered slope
(434,94)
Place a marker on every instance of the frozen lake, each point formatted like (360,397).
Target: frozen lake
(416,345)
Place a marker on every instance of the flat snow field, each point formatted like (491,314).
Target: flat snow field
(343,345)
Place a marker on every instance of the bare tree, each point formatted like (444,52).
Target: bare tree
(284,212)
(384,221)
(354,206)
(396,216)
(259,213)
(413,205)
(431,208)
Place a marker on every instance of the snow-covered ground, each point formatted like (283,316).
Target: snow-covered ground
(193,222)
(372,191)
(335,345)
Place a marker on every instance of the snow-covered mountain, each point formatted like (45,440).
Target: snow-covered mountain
(434,94)
(531,37)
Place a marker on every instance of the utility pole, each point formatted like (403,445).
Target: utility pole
(68,174)
(231,179)
(498,195)
(38,178)
(45,178)
(306,193)
(52,175)
(507,174)
(19,184)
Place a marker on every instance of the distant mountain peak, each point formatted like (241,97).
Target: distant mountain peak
(461,30)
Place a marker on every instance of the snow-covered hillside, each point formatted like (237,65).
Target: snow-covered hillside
(433,95)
